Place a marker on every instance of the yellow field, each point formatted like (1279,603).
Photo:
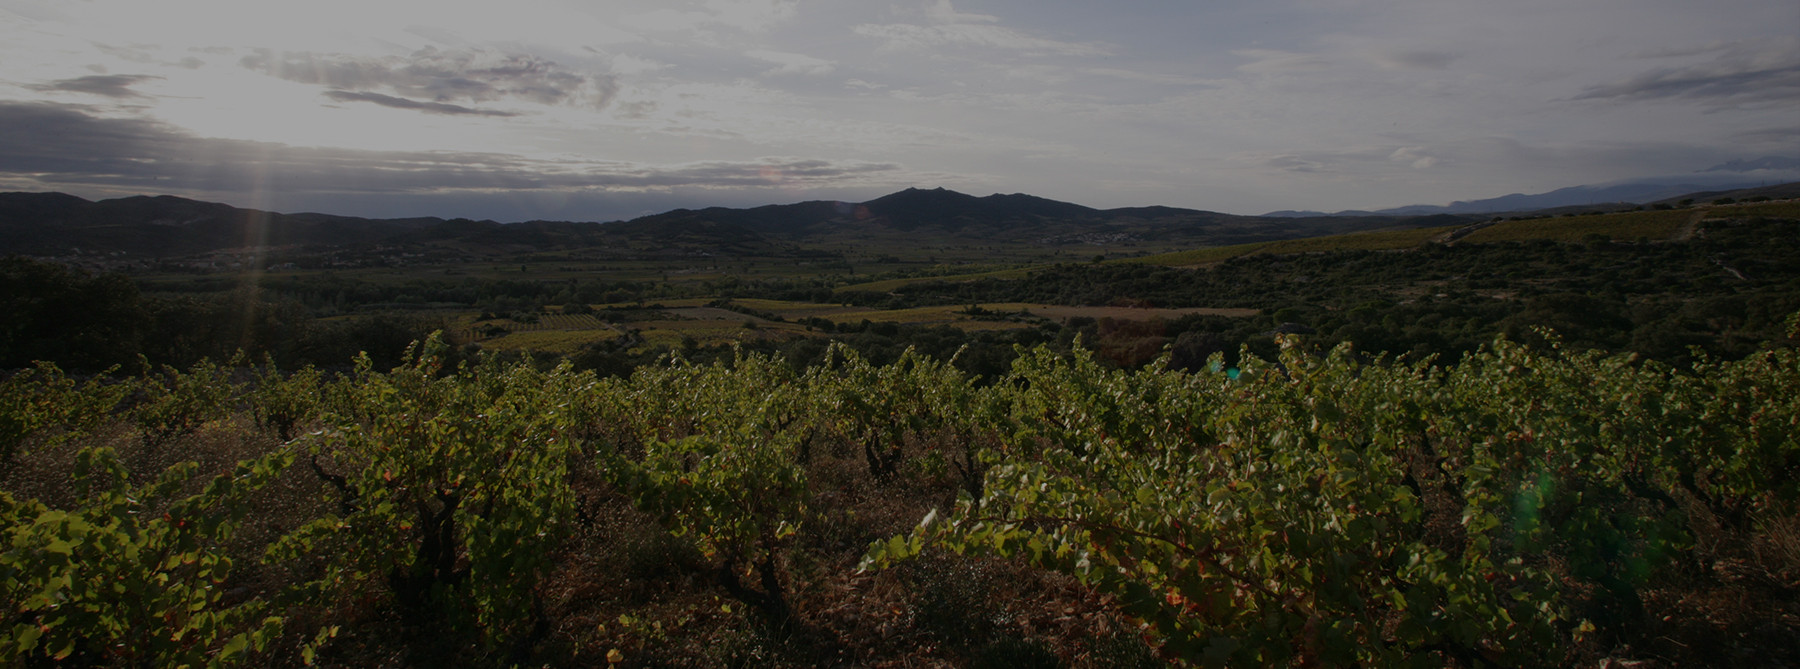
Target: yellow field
(684,302)
(788,309)
(1135,314)
(949,315)
(1769,210)
(549,341)
(1655,225)
(710,333)
(891,284)
(1379,240)
(1205,256)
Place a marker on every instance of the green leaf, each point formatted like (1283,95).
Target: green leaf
(234,646)
(25,637)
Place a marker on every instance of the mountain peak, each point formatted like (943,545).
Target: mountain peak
(939,194)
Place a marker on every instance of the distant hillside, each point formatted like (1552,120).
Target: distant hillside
(1776,192)
(53,223)
(921,216)
(1620,195)
(163,226)
(1561,197)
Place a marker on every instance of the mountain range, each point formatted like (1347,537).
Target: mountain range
(50,224)
(166,226)
(1613,195)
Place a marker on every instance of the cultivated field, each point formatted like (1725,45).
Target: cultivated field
(1624,226)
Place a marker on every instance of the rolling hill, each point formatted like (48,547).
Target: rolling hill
(166,226)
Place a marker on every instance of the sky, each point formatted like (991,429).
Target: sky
(612,109)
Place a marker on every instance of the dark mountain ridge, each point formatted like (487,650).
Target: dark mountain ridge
(1612,196)
(164,225)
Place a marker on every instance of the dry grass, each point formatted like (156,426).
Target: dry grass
(1654,225)
(890,285)
(1788,209)
(549,341)
(1379,240)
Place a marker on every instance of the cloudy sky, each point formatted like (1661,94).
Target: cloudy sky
(607,109)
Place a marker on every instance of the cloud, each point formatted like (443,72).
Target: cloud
(1414,156)
(907,36)
(1764,163)
(950,28)
(1293,163)
(430,74)
(941,11)
(1418,59)
(403,103)
(1272,61)
(1160,79)
(1790,134)
(1589,157)
(752,15)
(745,16)
(1358,160)
(1739,72)
(109,85)
(51,145)
(793,63)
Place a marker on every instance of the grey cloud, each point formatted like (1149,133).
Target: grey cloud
(1763,163)
(1424,60)
(1678,52)
(403,103)
(1292,163)
(953,29)
(109,85)
(1272,61)
(1763,71)
(636,110)
(1788,134)
(52,144)
(1353,160)
(136,53)
(472,75)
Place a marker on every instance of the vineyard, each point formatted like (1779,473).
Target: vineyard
(1524,506)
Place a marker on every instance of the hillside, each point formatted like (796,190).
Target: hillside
(54,223)
(166,226)
(908,223)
